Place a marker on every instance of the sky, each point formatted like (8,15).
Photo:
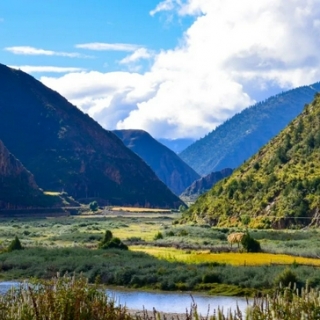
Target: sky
(175,68)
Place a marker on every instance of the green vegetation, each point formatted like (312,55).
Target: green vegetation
(278,187)
(15,245)
(250,244)
(109,241)
(93,206)
(66,298)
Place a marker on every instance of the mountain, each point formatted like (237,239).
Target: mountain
(278,187)
(169,168)
(18,188)
(204,184)
(68,151)
(176,145)
(236,140)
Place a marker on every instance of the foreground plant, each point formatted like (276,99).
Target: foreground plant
(62,298)
(72,298)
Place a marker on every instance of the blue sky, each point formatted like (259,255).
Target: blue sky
(175,68)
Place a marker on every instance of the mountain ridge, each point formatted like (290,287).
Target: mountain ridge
(68,151)
(241,136)
(167,165)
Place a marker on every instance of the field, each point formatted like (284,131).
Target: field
(162,254)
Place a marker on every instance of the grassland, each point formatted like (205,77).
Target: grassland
(184,257)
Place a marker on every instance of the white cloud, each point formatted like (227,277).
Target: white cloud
(234,53)
(141,53)
(98,46)
(53,69)
(26,50)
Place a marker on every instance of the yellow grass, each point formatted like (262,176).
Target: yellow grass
(236,259)
(134,209)
(51,193)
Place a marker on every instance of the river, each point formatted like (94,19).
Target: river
(176,302)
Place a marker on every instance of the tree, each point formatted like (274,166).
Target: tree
(93,206)
(15,245)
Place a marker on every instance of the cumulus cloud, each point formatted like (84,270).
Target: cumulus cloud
(51,69)
(98,46)
(235,52)
(31,51)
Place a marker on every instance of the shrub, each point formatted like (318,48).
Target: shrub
(15,245)
(249,244)
(109,241)
(286,277)
(158,236)
(93,206)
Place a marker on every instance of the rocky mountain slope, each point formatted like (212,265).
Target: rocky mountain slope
(204,184)
(68,151)
(236,140)
(169,168)
(279,186)
(18,188)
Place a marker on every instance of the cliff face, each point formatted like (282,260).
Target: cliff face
(68,151)
(169,168)
(18,188)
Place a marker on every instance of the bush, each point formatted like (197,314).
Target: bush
(249,244)
(109,241)
(15,245)
(286,278)
(93,206)
(158,236)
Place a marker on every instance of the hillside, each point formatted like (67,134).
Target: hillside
(204,184)
(169,168)
(278,187)
(68,151)
(236,140)
(18,188)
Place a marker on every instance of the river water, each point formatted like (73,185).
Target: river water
(165,302)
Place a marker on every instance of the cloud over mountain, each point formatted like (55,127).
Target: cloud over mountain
(232,55)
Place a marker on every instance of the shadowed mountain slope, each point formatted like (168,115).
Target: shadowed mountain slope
(169,168)
(204,184)
(279,186)
(236,140)
(68,151)
(18,188)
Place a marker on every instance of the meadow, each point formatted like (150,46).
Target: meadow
(162,255)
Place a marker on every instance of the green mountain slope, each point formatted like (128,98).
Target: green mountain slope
(236,140)
(169,168)
(278,187)
(18,188)
(68,151)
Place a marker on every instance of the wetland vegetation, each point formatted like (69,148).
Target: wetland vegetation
(184,257)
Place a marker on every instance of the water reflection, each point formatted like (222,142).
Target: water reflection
(165,302)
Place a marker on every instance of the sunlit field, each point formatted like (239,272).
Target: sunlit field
(236,259)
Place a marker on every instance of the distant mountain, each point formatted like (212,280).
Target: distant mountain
(176,145)
(66,150)
(18,188)
(236,140)
(278,187)
(169,168)
(204,184)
